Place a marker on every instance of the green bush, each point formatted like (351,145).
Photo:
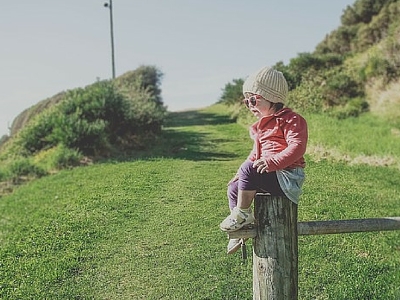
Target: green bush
(103,119)
(363,24)
(58,158)
(304,63)
(339,87)
(339,41)
(144,78)
(75,122)
(307,97)
(144,113)
(24,167)
(86,117)
(362,11)
(353,108)
(99,119)
(378,66)
(34,137)
(349,16)
(232,92)
(4,174)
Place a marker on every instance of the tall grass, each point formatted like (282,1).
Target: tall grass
(366,139)
(147,228)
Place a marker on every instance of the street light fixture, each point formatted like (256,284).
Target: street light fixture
(110,6)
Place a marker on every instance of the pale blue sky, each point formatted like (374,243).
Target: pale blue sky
(49,46)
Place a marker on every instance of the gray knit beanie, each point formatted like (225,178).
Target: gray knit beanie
(269,84)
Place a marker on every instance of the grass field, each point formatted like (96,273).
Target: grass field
(147,227)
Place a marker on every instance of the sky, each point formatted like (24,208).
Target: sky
(49,46)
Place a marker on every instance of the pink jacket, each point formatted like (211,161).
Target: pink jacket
(280,139)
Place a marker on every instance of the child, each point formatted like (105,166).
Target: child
(276,163)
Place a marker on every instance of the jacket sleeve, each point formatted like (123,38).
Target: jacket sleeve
(253,153)
(296,135)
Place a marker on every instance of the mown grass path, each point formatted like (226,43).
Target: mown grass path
(147,228)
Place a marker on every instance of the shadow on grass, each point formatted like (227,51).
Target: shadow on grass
(191,146)
(194,117)
(176,143)
(173,143)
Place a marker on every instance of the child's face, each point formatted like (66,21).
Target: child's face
(258,105)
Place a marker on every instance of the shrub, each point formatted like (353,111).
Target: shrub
(98,119)
(25,167)
(366,9)
(359,104)
(307,97)
(307,62)
(4,174)
(232,93)
(338,41)
(75,122)
(34,136)
(58,158)
(377,66)
(144,78)
(339,87)
(144,113)
(349,16)
(86,117)
(102,119)
(353,108)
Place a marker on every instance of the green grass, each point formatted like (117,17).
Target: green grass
(147,228)
(366,136)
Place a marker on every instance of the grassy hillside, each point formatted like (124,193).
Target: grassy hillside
(147,228)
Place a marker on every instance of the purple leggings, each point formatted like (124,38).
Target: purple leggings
(250,180)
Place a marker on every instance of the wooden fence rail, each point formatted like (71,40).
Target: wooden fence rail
(333,227)
(275,244)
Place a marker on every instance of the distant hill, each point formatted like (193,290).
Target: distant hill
(369,40)
(353,70)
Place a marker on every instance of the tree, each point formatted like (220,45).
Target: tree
(232,93)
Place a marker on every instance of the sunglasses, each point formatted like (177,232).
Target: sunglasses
(251,100)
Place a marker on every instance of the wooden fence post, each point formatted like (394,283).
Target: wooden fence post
(275,238)
(275,249)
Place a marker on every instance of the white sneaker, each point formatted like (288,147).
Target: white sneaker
(236,220)
(235,244)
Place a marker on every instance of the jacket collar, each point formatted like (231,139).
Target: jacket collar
(266,119)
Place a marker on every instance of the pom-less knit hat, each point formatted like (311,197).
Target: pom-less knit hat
(268,83)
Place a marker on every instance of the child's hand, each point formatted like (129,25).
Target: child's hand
(261,165)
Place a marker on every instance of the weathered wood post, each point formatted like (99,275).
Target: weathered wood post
(275,249)
(275,237)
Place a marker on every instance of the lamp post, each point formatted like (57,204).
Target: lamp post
(110,6)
